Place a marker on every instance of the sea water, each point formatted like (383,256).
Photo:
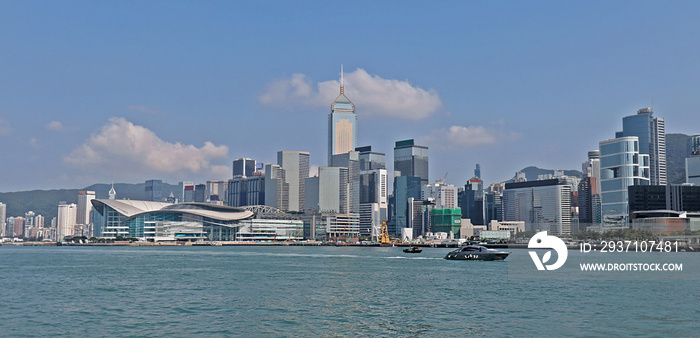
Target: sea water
(317,291)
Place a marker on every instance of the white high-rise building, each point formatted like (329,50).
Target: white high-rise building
(296,167)
(3,216)
(445,195)
(84,207)
(66,221)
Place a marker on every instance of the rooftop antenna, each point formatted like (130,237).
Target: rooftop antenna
(342,81)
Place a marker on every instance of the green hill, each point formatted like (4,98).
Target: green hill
(45,202)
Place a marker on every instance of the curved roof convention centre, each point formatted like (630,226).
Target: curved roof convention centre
(132,208)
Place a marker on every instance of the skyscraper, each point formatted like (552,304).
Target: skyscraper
(3,215)
(154,191)
(66,219)
(84,211)
(651,133)
(411,160)
(342,125)
(621,165)
(373,200)
(243,167)
(185,192)
(350,160)
(692,163)
(276,187)
(328,192)
(370,160)
(296,167)
(542,205)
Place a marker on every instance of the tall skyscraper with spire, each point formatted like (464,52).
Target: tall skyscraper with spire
(342,124)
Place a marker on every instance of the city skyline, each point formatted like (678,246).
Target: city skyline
(502,92)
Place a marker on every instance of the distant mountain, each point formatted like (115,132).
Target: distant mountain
(531,173)
(676,153)
(45,202)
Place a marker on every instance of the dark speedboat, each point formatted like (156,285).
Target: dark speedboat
(477,253)
(413,249)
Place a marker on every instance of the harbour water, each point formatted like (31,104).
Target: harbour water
(317,291)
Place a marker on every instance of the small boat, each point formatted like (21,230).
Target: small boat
(477,253)
(413,249)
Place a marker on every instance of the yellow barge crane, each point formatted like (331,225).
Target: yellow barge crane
(384,234)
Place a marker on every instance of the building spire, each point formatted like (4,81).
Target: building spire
(342,80)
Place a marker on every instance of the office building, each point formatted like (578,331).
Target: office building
(370,160)
(621,165)
(276,187)
(66,221)
(411,160)
(405,187)
(651,134)
(217,191)
(419,216)
(185,192)
(373,200)
(692,162)
(350,160)
(342,125)
(663,197)
(328,193)
(493,207)
(243,167)
(200,193)
(154,190)
(543,205)
(245,191)
(296,167)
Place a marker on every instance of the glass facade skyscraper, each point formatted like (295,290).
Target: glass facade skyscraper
(621,165)
(651,134)
(342,126)
(411,160)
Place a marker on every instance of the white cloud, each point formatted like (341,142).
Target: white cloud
(467,137)
(371,94)
(33,142)
(5,128)
(122,148)
(54,125)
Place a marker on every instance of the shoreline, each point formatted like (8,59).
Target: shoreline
(309,243)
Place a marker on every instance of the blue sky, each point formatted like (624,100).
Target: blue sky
(94,92)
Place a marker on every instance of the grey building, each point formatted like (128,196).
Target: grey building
(154,191)
(543,205)
(351,161)
(296,167)
(370,160)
